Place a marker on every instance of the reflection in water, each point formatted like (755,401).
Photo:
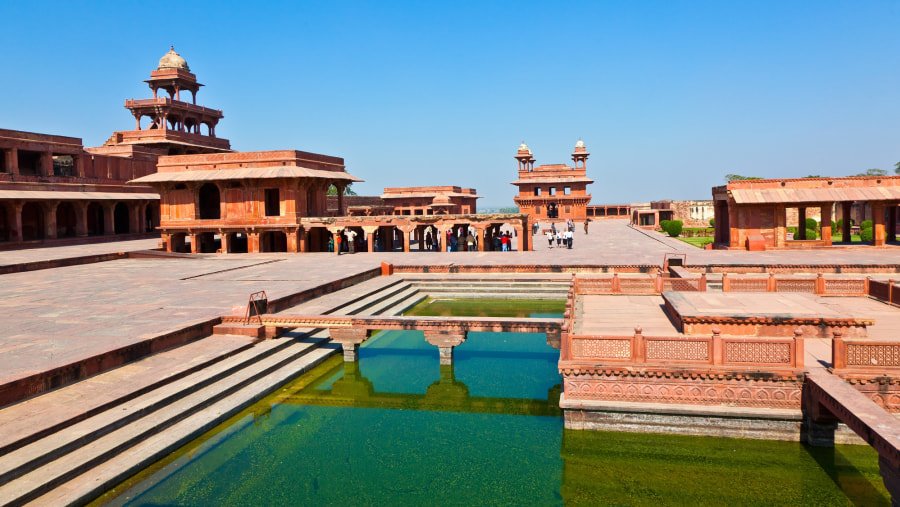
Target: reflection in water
(398,428)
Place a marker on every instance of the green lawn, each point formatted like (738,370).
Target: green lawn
(697,242)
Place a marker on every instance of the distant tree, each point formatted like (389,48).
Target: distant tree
(814,176)
(737,177)
(873,172)
(897,168)
(511,209)
(332,190)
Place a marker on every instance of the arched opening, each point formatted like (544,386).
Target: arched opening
(237,242)
(209,202)
(207,242)
(32,222)
(273,241)
(121,219)
(95,219)
(65,220)
(5,231)
(151,217)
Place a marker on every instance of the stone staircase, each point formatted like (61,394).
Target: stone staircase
(59,456)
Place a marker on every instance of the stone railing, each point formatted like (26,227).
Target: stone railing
(645,285)
(664,350)
(883,291)
(864,355)
(819,285)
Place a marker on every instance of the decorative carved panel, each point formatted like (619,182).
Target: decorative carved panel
(758,352)
(601,349)
(873,355)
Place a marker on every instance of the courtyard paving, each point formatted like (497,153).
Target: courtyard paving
(54,317)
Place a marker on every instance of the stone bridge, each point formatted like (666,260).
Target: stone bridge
(827,400)
(443,332)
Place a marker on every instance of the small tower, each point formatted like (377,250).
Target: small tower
(173,126)
(525,158)
(580,155)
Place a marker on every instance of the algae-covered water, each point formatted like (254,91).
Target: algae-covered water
(397,428)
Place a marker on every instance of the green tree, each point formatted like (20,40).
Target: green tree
(814,176)
(738,177)
(332,190)
(897,168)
(512,209)
(873,172)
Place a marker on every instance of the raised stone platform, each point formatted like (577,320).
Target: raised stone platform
(763,314)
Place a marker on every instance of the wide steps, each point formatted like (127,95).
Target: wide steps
(155,446)
(82,446)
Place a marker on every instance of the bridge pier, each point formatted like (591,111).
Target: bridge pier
(554,339)
(349,338)
(445,341)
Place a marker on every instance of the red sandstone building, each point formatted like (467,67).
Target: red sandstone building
(431,200)
(553,191)
(753,214)
(53,190)
(245,202)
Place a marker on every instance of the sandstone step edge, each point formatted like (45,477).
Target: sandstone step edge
(100,479)
(122,439)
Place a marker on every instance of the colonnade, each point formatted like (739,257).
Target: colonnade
(38,220)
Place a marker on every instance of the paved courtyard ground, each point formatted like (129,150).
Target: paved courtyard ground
(53,317)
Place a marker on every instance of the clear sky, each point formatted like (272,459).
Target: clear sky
(668,96)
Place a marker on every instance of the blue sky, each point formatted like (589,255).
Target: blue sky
(668,96)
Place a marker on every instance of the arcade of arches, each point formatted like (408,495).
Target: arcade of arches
(24,220)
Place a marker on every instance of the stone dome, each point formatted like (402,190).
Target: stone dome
(524,147)
(172,60)
(579,144)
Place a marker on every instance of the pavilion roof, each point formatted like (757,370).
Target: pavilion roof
(813,195)
(250,173)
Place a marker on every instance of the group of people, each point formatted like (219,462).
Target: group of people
(563,238)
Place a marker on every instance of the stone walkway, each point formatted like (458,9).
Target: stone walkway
(56,316)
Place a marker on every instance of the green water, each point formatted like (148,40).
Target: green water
(398,429)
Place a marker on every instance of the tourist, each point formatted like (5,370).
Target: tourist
(470,242)
(504,242)
(351,237)
(454,244)
(550,238)
(496,242)
(558,239)
(337,245)
(534,229)
(569,237)
(331,245)
(585,226)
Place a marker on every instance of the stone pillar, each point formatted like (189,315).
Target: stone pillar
(81,226)
(135,218)
(340,199)
(878,224)
(349,338)
(195,243)
(17,221)
(252,242)
(50,219)
(482,237)
(46,168)
(303,240)
(12,161)
(826,222)
(801,223)
(891,229)
(293,243)
(846,208)
(226,243)
(406,231)
(521,239)
(108,222)
(445,341)
(370,237)
(79,165)
(780,225)
(420,237)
